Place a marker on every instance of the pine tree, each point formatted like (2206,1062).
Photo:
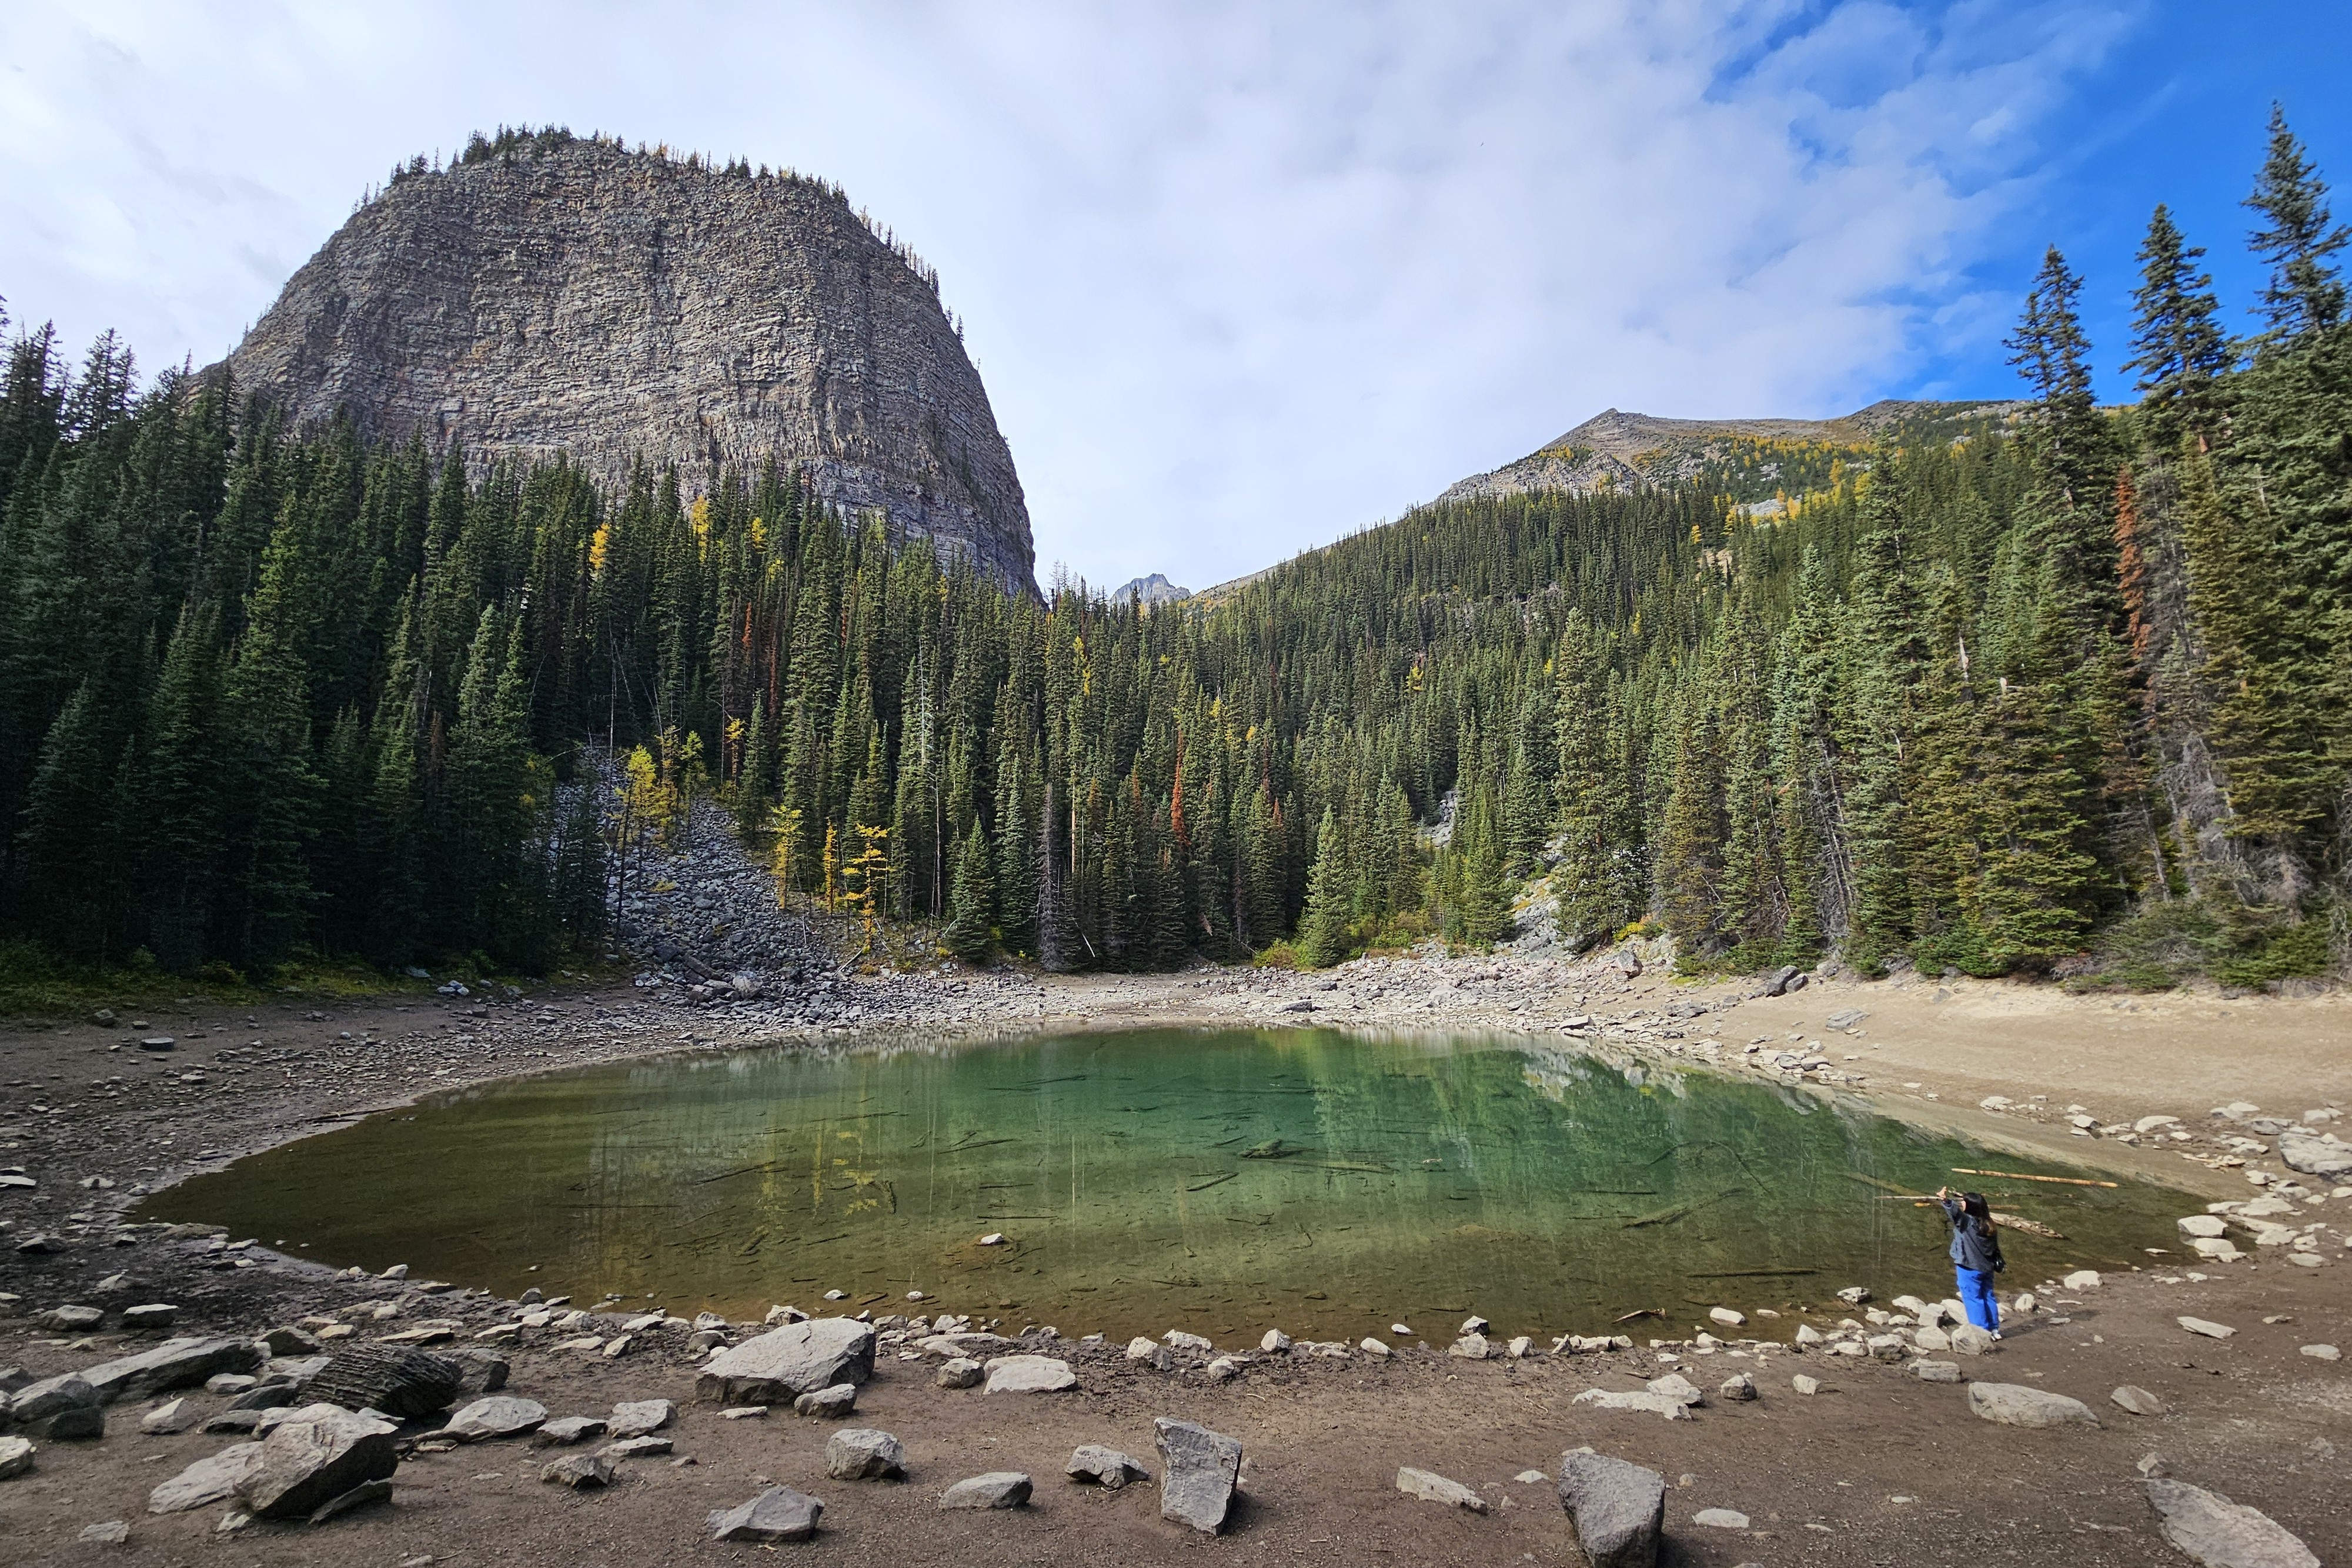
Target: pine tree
(967,935)
(2306,291)
(1323,930)
(2180,351)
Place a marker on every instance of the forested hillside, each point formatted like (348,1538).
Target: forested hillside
(2073,698)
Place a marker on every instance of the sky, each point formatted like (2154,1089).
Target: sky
(1242,278)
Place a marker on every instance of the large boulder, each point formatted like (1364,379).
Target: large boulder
(2315,1157)
(2014,1405)
(2210,1528)
(1201,1469)
(405,1383)
(778,1366)
(314,1456)
(780,1513)
(1619,1509)
(176,1363)
(209,1480)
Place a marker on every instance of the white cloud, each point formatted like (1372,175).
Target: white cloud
(1239,278)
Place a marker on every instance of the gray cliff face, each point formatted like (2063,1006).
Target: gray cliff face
(608,304)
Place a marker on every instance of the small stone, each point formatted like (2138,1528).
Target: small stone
(997,1489)
(1738,1388)
(113,1532)
(1275,1343)
(861,1453)
(16,1458)
(827,1404)
(1108,1468)
(1805,1385)
(1936,1371)
(2082,1279)
(151,1317)
(1971,1340)
(72,1319)
(1030,1374)
(744,1413)
(1727,1317)
(174,1416)
(1471,1347)
(2202,1326)
(780,1513)
(1177,1339)
(1372,1348)
(1433,1488)
(581,1472)
(1719,1519)
(637,1449)
(2321,1352)
(635,1417)
(567,1430)
(500,1416)
(960,1372)
(359,1496)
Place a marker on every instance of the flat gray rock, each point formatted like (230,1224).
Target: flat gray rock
(863,1454)
(780,1513)
(827,1404)
(1199,1470)
(38,1401)
(1664,1405)
(1030,1374)
(208,1481)
(360,1496)
(783,1364)
(1108,1468)
(997,1489)
(183,1362)
(2210,1528)
(637,1417)
(1619,1509)
(16,1458)
(961,1371)
(112,1533)
(2014,1405)
(647,1448)
(1430,1487)
(566,1431)
(316,1454)
(2315,1156)
(2137,1400)
(500,1416)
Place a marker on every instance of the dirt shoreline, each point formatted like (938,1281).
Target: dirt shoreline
(2251,1416)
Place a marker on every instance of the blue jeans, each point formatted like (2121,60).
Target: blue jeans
(1977,1298)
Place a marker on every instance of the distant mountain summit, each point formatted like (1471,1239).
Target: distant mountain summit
(1751,459)
(1153,590)
(549,293)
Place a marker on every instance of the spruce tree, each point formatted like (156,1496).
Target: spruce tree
(1323,929)
(2179,349)
(967,935)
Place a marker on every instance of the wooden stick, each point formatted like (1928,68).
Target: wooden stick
(2020,1175)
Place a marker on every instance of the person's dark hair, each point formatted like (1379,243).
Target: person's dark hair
(1974,1203)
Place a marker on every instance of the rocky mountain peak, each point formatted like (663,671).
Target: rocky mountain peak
(549,293)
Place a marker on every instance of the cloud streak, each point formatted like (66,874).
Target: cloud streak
(1239,278)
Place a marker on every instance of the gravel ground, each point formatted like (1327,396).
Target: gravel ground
(1878,1468)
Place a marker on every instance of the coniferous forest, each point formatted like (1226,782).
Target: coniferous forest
(2068,692)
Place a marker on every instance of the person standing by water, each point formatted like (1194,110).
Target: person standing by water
(1976,1255)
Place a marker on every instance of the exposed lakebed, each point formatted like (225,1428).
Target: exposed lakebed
(1220,1181)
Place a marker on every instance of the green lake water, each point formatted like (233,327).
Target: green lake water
(1222,1181)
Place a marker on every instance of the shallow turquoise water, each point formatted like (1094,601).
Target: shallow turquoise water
(1221,1181)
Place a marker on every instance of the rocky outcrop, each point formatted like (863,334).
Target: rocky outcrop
(564,294)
